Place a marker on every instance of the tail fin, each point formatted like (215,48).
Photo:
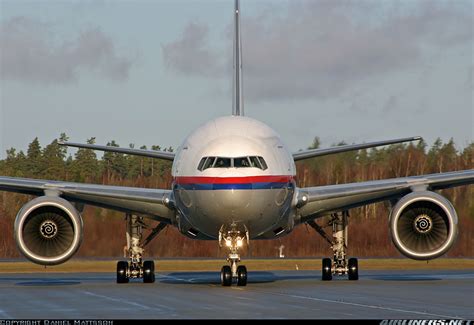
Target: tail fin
(237,105)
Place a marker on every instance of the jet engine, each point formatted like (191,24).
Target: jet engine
(48,230)
(423,225)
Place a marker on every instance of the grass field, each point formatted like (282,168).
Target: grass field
(252,265)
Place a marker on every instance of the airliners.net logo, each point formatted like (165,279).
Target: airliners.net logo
(426,322)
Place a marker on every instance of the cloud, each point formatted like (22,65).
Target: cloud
(29,52)
(391,105)
(469,84)
(189,55)
(319,49)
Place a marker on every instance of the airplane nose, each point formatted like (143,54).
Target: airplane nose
(229,205)
(234,201)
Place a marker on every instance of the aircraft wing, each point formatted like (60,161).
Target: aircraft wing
(350,147)
(322,200)
(156,203)
(129,151)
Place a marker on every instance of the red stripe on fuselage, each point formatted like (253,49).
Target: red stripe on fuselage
(232,180)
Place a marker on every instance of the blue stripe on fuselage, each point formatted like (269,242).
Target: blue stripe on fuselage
(245,186)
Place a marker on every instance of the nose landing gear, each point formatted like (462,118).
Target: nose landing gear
(233,239)
(241,275)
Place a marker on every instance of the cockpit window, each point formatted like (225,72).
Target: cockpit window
(223,163)
(208,163)
(201,163)
(254,162)
(239,162)
(263,163)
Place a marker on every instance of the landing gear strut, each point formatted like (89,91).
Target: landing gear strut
(233,239)
(340,265)
(136,268)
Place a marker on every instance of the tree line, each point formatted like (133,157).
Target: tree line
(368,233)
(52,162)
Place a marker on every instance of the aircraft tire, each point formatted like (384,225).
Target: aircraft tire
(226,276)
(241,275)
(353,269)
(122,268)
(148,272)
(326,269)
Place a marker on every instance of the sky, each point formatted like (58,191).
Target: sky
(149,72)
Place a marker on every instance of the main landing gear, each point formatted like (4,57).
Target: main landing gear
(136,268)
(233,239)
(340,265)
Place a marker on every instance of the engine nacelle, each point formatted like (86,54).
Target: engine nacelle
(48,230)
(423,225)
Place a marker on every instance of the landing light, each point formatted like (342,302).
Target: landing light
(228,243)
(240,242)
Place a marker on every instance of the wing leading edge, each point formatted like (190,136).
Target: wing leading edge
(322,200)
(156,203)
(128,151)
(351,147)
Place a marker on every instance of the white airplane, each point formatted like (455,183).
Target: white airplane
(234,181)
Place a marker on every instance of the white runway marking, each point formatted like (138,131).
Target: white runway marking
(175,278)
(282,295)
(240,289)
(123,301)
(461,276)
(366,306)
(333,301)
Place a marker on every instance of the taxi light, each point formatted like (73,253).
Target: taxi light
(240,242)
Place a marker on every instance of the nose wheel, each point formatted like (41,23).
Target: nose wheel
(226,276)
(233,239)
(241,275)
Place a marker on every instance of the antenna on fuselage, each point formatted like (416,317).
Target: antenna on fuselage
(237,104)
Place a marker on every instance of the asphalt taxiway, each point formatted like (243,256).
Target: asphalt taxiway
(439,294)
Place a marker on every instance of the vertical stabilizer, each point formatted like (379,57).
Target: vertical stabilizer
(237,105)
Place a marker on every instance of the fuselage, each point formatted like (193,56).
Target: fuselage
(234,170)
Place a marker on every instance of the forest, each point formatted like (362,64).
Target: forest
(104,230)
